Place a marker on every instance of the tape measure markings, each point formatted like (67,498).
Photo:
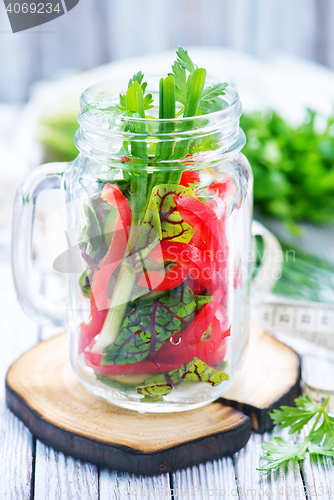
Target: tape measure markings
(314,322)
(298,316)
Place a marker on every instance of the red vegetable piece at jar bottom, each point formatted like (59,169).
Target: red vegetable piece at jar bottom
(212,351)
(100,286)
(93,360)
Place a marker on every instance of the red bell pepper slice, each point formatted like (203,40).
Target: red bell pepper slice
(167,281)
(89,330)
(210,229)
(224,188)
(113,195)
(189,177)
(100,284)
(195,286)
(204,221)
(189,257)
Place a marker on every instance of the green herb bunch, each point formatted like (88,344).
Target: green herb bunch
(293,167)
(319,441)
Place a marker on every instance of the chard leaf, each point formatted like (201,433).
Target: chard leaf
(92,232)
(196,370)
(148,324)
(162,218)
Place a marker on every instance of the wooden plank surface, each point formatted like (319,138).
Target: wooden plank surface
(318,474)
(16,442)
(211,480)
(256,484)
(121,485)
(59,477)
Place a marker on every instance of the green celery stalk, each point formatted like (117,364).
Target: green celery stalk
(195,86)
(135,104)
(167,106)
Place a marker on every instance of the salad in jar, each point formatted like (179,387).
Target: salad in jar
(160,270)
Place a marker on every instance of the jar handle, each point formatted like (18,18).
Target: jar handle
(270,269)
(35,305)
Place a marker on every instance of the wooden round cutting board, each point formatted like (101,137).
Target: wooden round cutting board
(43,391)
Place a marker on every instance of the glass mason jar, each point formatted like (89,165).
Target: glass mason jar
(159,228)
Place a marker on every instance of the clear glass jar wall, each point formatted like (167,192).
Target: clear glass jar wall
(161,211)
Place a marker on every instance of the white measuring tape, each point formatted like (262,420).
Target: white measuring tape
(310,321)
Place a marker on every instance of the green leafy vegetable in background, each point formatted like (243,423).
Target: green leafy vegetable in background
(319,441)
(56,135)
(293,167)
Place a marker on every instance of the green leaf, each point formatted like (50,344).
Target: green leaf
(85,282)
(162,219)
(180,77)
(320,439)
(92,232)
(295,418)
(184,60)
(193,372)
(138,77)
(209,97)
(182,63)
(148,324)
(281,451)
(324,433)
(135,100)
(148,101)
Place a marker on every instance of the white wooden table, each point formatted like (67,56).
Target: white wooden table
(30,470)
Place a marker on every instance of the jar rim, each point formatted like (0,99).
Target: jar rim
(232,111)
(101,135)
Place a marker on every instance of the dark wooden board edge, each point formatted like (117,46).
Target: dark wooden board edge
(259,417)
(123,458)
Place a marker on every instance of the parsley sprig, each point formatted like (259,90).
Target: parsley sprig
(209,96)
(319,441)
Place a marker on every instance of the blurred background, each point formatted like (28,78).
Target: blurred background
(279,54)
(96,32)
